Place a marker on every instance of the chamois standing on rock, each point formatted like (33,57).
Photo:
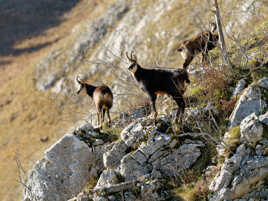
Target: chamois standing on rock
(160,81)
(102,97)
(203,42)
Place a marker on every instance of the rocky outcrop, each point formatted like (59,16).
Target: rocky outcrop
(242,176)
(251,101)
(61,173)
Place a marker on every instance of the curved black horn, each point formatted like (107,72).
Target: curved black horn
(131,57)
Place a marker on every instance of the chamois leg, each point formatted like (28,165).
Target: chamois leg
(204,57)
(103,115)
(188,60)
(99,116)
(98,113)
(109,117)
(152,100)
(180,102)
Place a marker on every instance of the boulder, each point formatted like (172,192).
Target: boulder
(263,83)
(241,84)
(251,129)
(61,173)
(238,175)
(251,101)
(107,178)
(111,159)
(133,133)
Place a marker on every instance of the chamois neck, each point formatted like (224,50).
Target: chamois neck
(90,89)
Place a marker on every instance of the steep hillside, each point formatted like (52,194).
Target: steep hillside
(91,38)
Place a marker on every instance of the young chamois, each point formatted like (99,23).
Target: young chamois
(160,81)
(102,97)
(203,42)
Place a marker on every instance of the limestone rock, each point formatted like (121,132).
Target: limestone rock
(107,177)
(111,159)
(251,129)
(61,173)
(238,175)
(263,83)
(250,102)
(133,133)
(132,169)
(241,84)
(264,118)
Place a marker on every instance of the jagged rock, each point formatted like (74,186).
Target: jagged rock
(99,198)
(251,129)
(61,173)
(263,83)
(111,159)
(238,175)
(250,102)
(83,196)
(107,178)
(133,133)
(264,118)
(241,84)
(180,159)
(154,144)
(132,169)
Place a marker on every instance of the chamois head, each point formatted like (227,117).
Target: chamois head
(82,85)
(134,63)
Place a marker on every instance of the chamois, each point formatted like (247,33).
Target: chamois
(203,42)
(160,81)
(102,97)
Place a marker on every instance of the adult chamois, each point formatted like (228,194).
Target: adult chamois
(160,81)
(203,42)
(102,97)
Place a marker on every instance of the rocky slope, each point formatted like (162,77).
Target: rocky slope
(148,155)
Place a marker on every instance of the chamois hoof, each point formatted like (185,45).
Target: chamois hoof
(98,129)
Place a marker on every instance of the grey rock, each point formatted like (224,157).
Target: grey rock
(61,173)
(133,133)
(132,169)
(250,102)
(155,144)
(111,159)
(251,129)
(238,175)
(178,160)
(241,84)
(83,196)
(264,118)
(263,83)
(107,178)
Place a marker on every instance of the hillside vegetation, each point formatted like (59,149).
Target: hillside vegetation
(53,41)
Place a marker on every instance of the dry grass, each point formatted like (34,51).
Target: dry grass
(26,115)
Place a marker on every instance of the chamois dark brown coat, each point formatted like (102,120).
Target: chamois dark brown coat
(160,81)
(102,97)
(203,42)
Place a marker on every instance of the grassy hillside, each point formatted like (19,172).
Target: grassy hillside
(26,114)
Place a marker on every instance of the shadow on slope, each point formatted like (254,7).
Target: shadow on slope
(24,19)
